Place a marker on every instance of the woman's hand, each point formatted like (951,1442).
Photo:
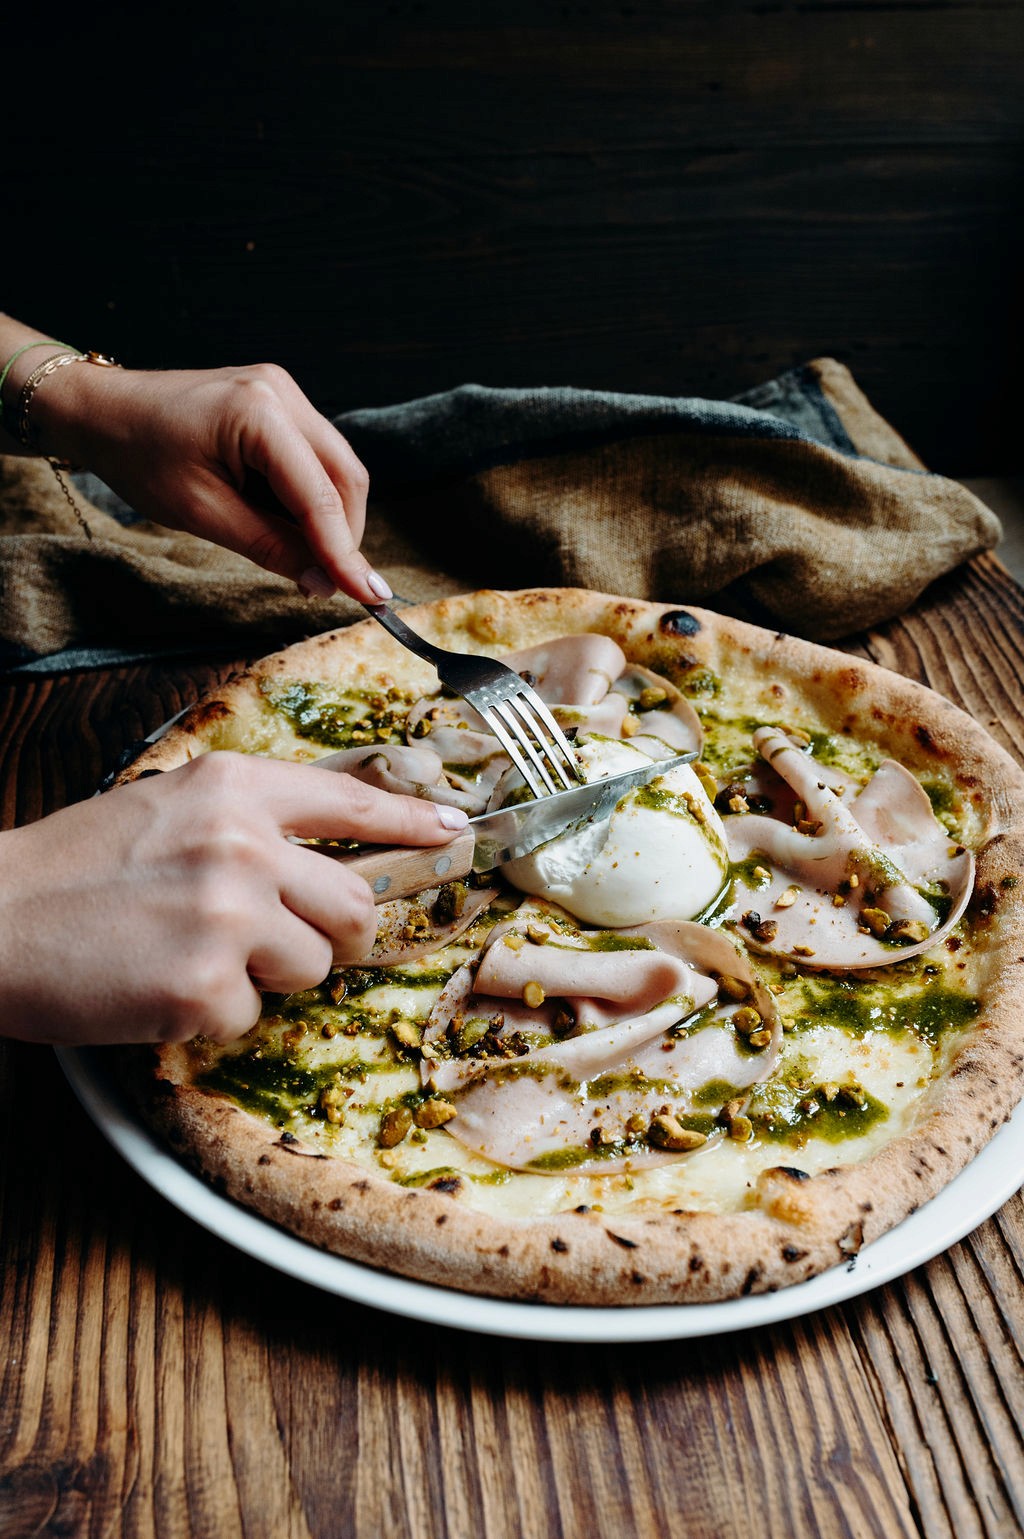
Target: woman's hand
(158,910)
(238,456)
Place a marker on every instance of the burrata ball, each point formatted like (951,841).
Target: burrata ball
(661,855)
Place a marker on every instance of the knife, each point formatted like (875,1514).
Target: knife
(493,838)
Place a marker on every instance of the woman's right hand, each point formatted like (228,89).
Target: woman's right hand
(157,911)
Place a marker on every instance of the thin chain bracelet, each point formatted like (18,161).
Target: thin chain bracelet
(28,390)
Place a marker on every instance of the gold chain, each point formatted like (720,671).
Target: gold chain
(28,390)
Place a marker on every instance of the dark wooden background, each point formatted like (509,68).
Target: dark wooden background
(679,196)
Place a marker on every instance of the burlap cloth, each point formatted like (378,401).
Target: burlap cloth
(796,505)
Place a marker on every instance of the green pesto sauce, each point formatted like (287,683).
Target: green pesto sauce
(657,798)
(360,980)
(812,1115)
(745,871)
(496,1177)
(841,754)
(632,1080)
(862,1007)
(341,721)
(585,1154)
(698,682)
(946,804)
(716,1092)
(279,1086)
(607,940)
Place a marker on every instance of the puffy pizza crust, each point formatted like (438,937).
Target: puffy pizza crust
(795,1225)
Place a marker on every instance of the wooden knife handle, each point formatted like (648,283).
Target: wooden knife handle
(397,871)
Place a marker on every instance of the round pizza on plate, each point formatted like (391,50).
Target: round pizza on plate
(708,1046)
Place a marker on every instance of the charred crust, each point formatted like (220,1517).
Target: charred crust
(751,1280)
(287,1138)
(790,1172)
(696,1262)
(792,1253)
(637,1279)
(620,1239)
(442,1218)
(206,713)
(447,1184)
(679,622)
(336,1204)
(264,1159)
(924,737)
(360,1186)
(559,1245)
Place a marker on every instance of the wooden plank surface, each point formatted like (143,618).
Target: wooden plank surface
(155,1382)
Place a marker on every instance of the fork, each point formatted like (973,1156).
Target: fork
(513,711)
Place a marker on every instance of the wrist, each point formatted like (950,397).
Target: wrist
(68,407)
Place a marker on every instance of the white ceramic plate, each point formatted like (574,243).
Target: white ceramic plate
(990,1179)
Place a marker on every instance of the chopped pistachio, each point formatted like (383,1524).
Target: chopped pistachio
(746,1020)
(788,898)
(533,995)
(741,1129)
(434,1113)
(667,1132)
(651,697)
(406,1033)
(732,988)
(907,931)
(393,1126)
(537,935)
(708,782)
(332,1103)
(630,726)
(876,919)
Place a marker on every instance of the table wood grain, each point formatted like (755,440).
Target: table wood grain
(155,1382)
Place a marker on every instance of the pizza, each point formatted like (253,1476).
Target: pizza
(709,1047)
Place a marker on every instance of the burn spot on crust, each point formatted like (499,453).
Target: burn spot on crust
(925,738)
(206,714)
(360,1186)
(620,1239)
(264,1159)
(449,1184)
(559,1245)
(696,1262)
(336,1204)
(983,902)
(637,1279)
(791,1172)
(751,1280)
(792,1253)
(442,1218)
(678,622)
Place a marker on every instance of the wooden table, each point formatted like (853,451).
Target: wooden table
(157,1382)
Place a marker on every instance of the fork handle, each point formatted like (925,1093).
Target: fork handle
(398,872)
(401,632)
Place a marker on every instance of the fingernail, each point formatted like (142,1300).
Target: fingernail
(378,585)
(315,583)
(452,817)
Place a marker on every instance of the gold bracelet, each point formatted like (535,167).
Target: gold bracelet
(29,389)
(35,379)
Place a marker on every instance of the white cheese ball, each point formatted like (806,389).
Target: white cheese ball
(661,855)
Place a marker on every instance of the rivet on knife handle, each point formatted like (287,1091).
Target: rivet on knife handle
(397,872)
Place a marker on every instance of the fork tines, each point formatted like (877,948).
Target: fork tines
(540,749)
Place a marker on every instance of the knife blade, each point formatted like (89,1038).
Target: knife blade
(493,838)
